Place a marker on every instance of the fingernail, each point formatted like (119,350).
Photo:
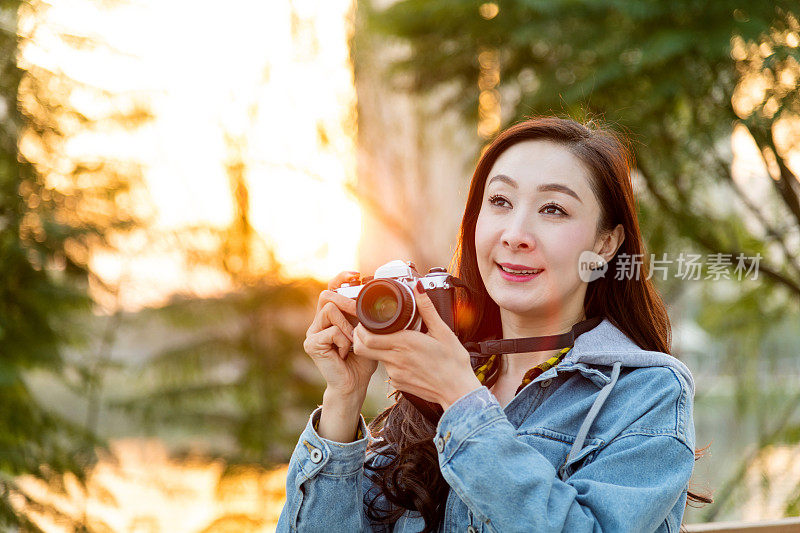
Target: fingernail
(420,288)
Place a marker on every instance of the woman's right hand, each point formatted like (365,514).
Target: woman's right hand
(328,342)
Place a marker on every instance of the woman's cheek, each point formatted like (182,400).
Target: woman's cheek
(566,246)
(483,244)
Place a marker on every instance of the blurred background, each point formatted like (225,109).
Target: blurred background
(178,180)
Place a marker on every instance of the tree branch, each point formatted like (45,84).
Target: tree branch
(770,230)
(785,182)
(706,240)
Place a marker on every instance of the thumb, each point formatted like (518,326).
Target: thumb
(436,326)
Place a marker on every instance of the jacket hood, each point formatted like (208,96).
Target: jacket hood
(606,344)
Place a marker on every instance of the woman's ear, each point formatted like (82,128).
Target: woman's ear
(609,242)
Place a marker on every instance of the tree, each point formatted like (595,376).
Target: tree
(48,227)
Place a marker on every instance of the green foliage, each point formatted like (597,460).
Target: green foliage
(44,235)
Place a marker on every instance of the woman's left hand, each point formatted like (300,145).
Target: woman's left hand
(434,366)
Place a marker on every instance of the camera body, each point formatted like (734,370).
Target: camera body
(385,302)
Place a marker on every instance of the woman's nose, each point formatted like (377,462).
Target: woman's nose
(518,237)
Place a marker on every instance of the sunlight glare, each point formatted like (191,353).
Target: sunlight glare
(276,76)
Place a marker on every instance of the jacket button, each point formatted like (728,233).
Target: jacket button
(440,444)
(316,455)
(546,383)
(471,529)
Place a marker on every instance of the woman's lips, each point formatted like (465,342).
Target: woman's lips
(517,277)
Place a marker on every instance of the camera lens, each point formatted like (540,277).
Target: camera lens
(385,306)
(382,308)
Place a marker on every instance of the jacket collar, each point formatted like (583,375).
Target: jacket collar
(604,345)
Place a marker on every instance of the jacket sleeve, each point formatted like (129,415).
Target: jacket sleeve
(325,483)
(632,483)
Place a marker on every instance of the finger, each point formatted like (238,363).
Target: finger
(347,305)
(340,278)
(383,341)
(401,379)
(361,349)
(428,312)
(342,343)
(330,337)
(330,315)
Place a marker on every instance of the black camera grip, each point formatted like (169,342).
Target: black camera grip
(443,301)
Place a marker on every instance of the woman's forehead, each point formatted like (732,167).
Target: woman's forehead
(534,162)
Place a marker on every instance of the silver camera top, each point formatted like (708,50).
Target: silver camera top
(398,270)
(404,272)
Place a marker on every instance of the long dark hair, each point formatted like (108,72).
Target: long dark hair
(410,477)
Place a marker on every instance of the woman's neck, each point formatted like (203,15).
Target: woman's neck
(516,327)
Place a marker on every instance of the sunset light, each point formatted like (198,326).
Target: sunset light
(273,80)
(181,181)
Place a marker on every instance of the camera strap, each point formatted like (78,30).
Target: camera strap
(481,351)
(532,344)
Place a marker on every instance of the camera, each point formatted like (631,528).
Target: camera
(385,302)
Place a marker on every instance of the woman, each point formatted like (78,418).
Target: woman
(596,436)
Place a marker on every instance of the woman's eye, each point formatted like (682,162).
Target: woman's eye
(499,201)
(553,209)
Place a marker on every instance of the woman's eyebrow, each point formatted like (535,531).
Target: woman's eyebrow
(545,187)
(557,187)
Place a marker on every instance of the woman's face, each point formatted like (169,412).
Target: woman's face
(537,215)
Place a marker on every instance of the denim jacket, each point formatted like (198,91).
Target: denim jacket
(604,441)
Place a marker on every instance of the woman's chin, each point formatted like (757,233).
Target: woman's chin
(520,306)
(523,310)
